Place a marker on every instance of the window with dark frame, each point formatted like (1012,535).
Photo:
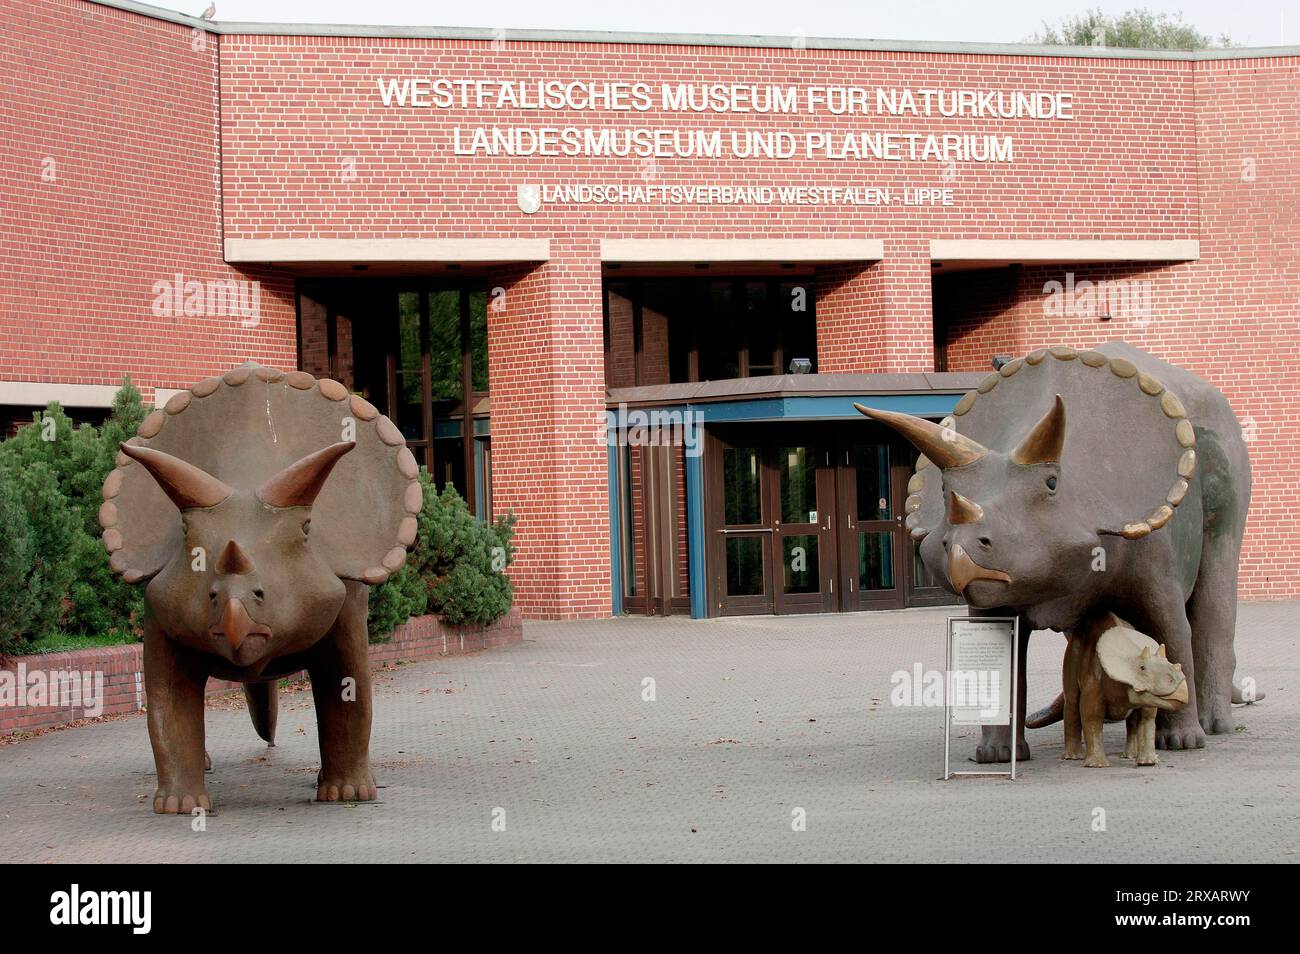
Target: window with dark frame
(418,348)
(680,330)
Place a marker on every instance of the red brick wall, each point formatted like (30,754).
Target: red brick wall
(1133,138)
(110,185)
(620,359)
(549,455)
(421,637)
(127,108)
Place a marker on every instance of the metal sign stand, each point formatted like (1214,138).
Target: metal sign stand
(1014,711)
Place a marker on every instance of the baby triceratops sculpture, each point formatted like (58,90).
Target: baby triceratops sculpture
(257,507)
(1137,507)
(1111,671)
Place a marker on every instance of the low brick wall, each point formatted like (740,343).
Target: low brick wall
(118,670)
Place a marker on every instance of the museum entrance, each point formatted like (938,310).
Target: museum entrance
(808,518)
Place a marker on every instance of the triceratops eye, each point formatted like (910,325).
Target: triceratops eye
(306,527)
(1051,483)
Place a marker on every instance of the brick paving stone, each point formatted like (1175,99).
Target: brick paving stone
(753,718)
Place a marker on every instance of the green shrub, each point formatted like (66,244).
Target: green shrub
(58,485)
(54,528)
(458,561)
(393,603)
(20,587)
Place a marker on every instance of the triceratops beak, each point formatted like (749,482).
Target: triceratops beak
(235,622)
(962,570)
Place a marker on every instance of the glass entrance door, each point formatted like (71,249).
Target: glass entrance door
(742,531)
(771,524)
(804,486)
(808,518)
(871,484)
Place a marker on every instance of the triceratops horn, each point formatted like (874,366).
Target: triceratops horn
(233,560)
(943,445)
(1043,444)
(299,483)
(963,510)
(186,485)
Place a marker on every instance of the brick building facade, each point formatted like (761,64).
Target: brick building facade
(152,160)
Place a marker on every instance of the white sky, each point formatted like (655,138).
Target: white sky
(1248,22)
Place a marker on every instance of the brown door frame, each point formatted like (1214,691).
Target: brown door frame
(852,597)
(717,533)
(656,543)
(770,528)
(824,600)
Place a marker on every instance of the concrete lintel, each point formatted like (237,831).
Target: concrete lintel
(41,393)
(387,250)
(1062,251)
(741,250)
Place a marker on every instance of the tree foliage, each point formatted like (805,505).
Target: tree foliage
(51,475)
(1139,29)
(456,569)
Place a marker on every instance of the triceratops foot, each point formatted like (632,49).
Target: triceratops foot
(1217,725)
(998,749)
(1215,711)
(1180,732)
(181,799)
(357,787)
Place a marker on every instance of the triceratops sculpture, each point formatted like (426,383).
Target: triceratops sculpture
(1111,671)
(257,507)
(1136,507)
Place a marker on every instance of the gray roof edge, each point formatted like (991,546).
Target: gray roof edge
(783,386)
(158,13)
(696,39)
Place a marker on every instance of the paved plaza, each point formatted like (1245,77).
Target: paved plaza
(752,720)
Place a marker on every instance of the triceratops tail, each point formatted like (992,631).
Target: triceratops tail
(263,707)
(1046,716)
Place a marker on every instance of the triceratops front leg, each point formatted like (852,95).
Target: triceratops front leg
(340,684)
(995,740)
(1166,621)
(174,680)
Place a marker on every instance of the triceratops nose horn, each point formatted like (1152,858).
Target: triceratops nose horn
(188,486)
(943,445)
(963,510)
(233,561)
(299,483)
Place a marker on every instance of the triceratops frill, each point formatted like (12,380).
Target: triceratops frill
(1074,483)
(257,507)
